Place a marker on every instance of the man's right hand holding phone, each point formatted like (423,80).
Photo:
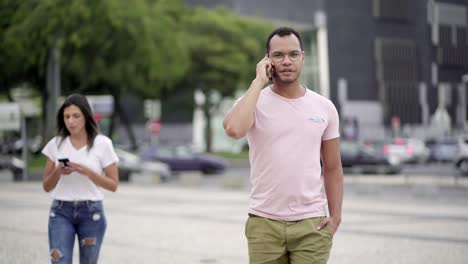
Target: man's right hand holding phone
(265,70)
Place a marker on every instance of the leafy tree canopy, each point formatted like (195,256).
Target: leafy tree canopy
(224,48)
(108,43)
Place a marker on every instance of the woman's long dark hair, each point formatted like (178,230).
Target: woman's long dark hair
(81,102)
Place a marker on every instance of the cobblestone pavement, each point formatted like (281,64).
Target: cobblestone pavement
(186,223)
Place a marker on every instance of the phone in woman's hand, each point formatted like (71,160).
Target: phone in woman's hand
(65,161)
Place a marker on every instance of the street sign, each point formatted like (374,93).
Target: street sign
(152,109)
(10,116)
(155,126)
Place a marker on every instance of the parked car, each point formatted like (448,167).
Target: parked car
(409,150)
(368,158)
(183,158)
(419,152)
(444,149)
(131,165)
(16,146)
(461,162)
(13,164)
(395,147)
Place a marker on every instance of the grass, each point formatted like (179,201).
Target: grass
(36,162)
(230,155)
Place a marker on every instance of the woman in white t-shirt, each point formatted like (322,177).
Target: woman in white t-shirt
(80,162)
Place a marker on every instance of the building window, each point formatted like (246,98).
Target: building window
(397,78)
(452,48)
(462,36)
(445,35)
(395,59)
(392,9)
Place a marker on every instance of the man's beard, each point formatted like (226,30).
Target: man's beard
(287,81)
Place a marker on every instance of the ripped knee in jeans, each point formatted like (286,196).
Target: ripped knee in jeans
(55,254)
(89,241)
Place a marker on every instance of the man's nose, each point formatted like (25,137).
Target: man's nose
(287,60)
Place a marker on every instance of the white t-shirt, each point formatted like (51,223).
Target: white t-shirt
(284,153)
(75,186)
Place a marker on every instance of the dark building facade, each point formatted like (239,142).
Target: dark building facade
(388,51)
(408,56)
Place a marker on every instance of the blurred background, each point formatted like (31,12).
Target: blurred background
(160,76)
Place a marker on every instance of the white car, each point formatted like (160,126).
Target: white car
(461,161)
(131,165)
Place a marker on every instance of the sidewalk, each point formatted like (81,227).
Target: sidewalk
(186,225)
(409,180)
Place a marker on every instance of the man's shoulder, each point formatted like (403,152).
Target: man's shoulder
(320,98)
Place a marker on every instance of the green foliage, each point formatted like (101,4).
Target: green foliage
(15,60)
(139,48)
(231,155)
(108,44)
(36,162)
(145,46)
(224,49)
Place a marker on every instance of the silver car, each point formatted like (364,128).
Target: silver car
(131,165)
(461,161)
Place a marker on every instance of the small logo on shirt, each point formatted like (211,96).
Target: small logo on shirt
(316,119)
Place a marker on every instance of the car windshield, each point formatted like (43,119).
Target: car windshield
(183,152)
(349,148)
(165,152)
(369,150)
(174,151)
(126,156)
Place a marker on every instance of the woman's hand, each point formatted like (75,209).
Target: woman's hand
(81,169)
(62,169)
(110,180)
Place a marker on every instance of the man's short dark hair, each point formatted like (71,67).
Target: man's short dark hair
(283,31)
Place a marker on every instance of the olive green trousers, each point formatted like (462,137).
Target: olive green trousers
(287,242)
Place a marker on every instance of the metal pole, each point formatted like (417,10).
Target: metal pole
(53,89)
(24,137)
(423,103)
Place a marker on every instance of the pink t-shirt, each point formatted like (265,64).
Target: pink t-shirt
(284,155)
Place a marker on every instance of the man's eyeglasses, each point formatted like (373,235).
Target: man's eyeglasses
(278,57)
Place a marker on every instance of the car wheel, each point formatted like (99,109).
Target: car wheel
(463,166)
(17,175)
(394,170)
(208,170)
(164,178)
(125,177)
(382,170)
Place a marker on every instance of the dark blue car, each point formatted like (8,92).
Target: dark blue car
(182,158)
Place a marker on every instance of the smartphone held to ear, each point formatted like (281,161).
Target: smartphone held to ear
(270,71)
(65,161)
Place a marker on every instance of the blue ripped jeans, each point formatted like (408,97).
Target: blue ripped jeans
(84,219)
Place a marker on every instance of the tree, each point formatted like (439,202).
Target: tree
(224,50)
(107,46)
(17,64)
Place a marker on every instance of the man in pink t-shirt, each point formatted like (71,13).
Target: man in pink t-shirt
(290,129)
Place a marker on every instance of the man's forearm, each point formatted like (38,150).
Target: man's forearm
(333,180)
(239,120)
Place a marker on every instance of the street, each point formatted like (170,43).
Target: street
(201,220)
